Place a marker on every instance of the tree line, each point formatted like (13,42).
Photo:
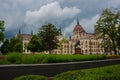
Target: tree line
(44,40)
(107,28)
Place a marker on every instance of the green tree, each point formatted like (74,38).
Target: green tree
(61,42)
(105,28)
(2,30)
(5,48)
(118,37)
(48,34)
(18,47)
(16,44)
(35,44)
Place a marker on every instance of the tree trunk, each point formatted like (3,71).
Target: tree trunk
(49,51)
(114,47)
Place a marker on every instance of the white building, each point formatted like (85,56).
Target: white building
(80,42)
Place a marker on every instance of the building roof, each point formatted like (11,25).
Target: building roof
(78,27)
(25,36)
(91,36)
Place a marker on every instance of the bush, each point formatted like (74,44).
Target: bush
(19,58)
(70,58)
(103,73)
(4,62)
(14,58)
(29,59)
(31,77)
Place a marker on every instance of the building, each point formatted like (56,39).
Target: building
(80,42)
(25,40)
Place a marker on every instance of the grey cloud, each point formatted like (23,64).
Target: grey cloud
(14,12)
(52,13)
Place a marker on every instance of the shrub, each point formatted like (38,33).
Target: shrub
(19,58)
(31,77)
(29,59)
(14,58)
(4,62)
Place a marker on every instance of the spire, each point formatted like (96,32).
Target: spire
(77,21)
(31,32)
(19,32)
(60,32)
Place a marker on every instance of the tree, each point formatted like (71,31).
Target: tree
(2,30)
(5,48)
(48,34)
(105,28)
(16,44)
(18,47)
(12,45)
(61,42)
(118,37)
(35,44)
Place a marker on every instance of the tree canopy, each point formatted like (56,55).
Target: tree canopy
(5,48)
(35,44)
(2,23)
(106,27)
(12,45)
(48,34)
(118,36)
(61,42)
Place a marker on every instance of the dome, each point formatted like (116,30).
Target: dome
(78,27)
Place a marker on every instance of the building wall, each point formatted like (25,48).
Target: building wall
(88,44)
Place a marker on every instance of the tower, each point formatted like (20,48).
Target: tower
(19,31)
(77,21)
(31,32)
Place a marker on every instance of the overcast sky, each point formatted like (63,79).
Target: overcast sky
(28,15)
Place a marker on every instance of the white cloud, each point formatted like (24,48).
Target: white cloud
(69,29)
(60,13)
(50,13)
(88,24)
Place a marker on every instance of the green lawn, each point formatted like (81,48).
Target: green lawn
(19,58)
(102,73)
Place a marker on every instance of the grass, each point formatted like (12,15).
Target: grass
(103,73)
(19,58)
(31,77)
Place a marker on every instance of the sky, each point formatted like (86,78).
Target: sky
(30,15)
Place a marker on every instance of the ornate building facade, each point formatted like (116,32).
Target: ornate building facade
(80,42)
(25,40)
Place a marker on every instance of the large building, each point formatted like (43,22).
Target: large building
(25,40)
(80,42)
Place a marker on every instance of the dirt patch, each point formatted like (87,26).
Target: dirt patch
(113,57)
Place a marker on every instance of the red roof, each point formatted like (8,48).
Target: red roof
(25,36)
(91,36)
(78,28)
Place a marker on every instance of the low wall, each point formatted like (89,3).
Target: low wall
(8,72)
